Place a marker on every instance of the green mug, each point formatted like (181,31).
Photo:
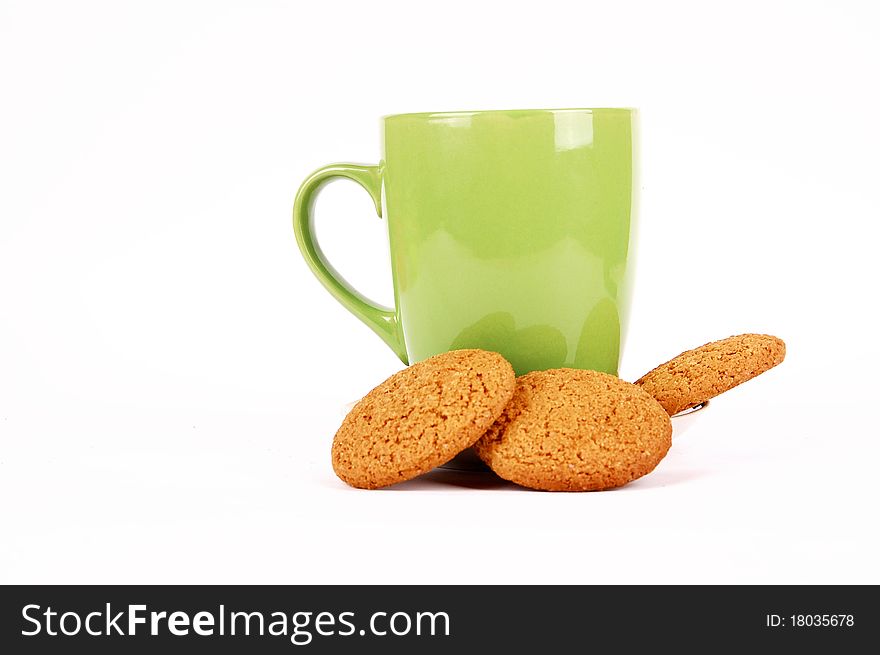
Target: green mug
(510,231)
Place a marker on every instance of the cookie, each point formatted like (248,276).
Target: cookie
(421,417)
(697,375)
(574,430)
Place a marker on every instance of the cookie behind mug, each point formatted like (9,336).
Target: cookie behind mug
(697,375)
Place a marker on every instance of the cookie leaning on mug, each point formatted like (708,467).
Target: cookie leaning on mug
(421,417)
(576,430)
(697,375)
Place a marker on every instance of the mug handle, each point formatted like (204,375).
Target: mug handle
(382,320)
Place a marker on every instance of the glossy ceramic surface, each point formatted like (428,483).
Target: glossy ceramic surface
(509,230)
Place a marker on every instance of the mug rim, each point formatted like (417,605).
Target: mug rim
(562,110)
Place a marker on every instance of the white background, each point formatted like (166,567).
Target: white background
(171,375)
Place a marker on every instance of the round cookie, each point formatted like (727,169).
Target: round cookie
(574,430)
(697,375)
(421,417)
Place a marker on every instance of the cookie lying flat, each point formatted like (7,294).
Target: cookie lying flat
(421,417)
(697,375)
(573,430)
